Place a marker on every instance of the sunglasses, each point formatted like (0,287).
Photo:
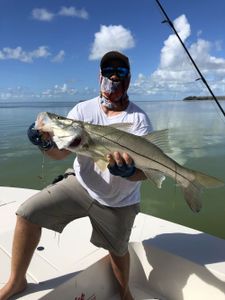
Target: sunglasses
(121,72)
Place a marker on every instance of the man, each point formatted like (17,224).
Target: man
(109,198)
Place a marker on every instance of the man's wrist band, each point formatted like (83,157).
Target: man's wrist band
(124,170)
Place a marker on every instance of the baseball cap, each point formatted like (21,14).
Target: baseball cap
(115,55)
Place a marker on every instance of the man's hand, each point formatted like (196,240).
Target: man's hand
(41,139)
(121,165)
(45,143)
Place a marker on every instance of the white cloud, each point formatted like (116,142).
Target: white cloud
(28,56)
(63,91)
(201,53)
(59,57)
(73,12)
(17,93)
(176,74)
(19,54)
(40,52)
(42,14)
(172,50)
(112,37)
(59,90)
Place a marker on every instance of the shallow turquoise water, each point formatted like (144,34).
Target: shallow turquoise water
(197,140)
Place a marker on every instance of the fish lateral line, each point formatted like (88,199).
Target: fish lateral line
(146,157)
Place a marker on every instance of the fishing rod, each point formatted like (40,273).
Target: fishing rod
(189,55)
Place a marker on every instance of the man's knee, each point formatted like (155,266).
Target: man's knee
(26,224)
(118,255)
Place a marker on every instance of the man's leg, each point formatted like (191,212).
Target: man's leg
(51,208)
(121,270)
(111,230)
(26,238)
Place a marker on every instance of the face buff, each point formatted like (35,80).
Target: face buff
(110,87)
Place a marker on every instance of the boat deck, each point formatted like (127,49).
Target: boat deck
(168,261)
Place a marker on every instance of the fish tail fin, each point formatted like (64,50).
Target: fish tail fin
(207,181)
(193,190)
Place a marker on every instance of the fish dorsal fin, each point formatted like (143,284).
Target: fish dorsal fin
(155,176)
(160,138)
(122,126)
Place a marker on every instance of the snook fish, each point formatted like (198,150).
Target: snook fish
(96,141)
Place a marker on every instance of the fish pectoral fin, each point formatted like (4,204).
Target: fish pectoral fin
(159,138)
(59,143)
(101,164)
(62,142)
(156,177)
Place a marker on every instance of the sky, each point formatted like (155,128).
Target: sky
(50,49)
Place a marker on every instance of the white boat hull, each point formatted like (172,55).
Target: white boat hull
(168,261)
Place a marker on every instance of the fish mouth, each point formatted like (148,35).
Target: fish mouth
(75,143)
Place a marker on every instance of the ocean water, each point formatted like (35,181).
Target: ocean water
(196,138)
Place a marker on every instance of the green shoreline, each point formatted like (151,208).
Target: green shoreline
(194,98)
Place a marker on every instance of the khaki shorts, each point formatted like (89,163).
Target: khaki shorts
(59,204)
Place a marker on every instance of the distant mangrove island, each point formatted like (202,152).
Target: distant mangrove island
(194,98)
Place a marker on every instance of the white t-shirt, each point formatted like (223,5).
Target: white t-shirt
(107,189)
